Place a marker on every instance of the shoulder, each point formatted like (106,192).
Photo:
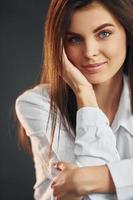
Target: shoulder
(39,95)
(33,101)
(32,108)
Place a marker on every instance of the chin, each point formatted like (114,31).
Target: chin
(96,80)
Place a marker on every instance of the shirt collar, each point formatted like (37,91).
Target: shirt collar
(124,117)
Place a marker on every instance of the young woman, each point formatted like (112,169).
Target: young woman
(79,117)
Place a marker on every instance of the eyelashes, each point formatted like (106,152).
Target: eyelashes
(74,39)
(78,39)
(104,34)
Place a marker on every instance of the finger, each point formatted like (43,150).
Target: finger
(59,166)
(52,184)
(64,60)
(64,56)
(57,192)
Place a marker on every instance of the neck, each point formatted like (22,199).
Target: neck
(108,95)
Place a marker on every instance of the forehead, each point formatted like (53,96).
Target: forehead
(91,17)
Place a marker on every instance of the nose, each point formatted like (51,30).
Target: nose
(91,48)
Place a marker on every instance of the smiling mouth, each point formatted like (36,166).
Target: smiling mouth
(93,68)
(93,65)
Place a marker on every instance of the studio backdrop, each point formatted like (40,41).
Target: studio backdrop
(21,38)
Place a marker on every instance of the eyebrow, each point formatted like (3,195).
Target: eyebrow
(102,26)
(94,31)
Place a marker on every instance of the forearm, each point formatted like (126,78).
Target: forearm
(95,179)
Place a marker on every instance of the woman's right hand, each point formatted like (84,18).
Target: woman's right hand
(81,87)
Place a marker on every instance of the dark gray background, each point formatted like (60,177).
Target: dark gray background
(21,37)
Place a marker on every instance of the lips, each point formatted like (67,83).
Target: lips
(93,65)
(93,68)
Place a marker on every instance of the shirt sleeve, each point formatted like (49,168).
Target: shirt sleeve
(95,143)
(122,174)
(32,110)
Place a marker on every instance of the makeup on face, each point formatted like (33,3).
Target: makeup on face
(96,43)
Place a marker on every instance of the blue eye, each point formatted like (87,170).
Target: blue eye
(104,34)
(74,40)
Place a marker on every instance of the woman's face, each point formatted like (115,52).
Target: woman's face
(96,43)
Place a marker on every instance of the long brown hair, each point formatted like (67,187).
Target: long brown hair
(57,23)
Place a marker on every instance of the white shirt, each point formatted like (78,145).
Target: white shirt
(95,142)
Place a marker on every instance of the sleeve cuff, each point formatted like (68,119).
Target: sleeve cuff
(91,116)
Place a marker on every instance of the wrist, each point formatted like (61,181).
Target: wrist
(107,185)
(103,182)
(86,98)
(95,179)
(82,182)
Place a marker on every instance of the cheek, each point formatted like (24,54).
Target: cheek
(122,50)
(73,54)
(116,51)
